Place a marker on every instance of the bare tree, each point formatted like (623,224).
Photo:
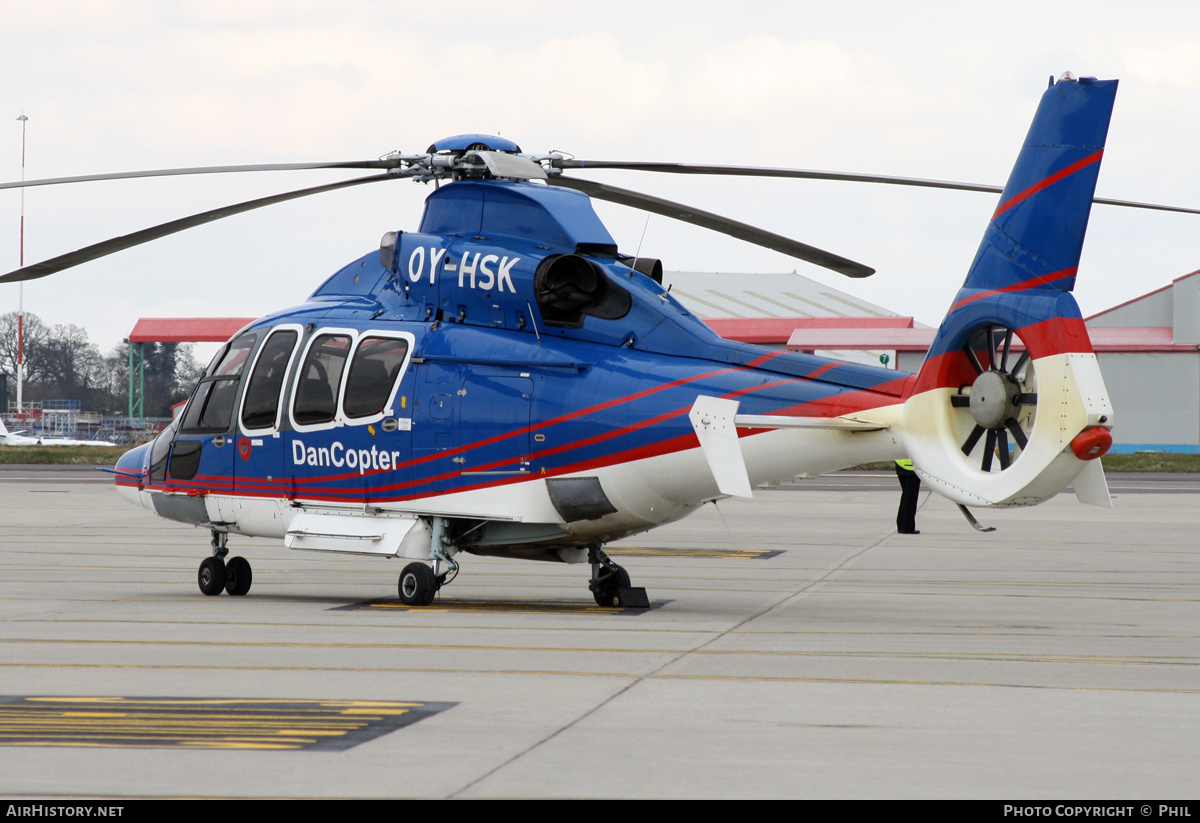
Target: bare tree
(69,362)
(60,363)
(35,335)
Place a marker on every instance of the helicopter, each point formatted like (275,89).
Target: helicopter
(504,381)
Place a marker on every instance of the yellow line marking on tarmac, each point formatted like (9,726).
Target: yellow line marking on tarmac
(875,655)
(622,675)
(465,607)
(722,554)
(608,628)
(220,723)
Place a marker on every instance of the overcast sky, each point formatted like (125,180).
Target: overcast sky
(934,89)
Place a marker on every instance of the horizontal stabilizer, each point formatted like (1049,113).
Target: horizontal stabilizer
(713,420)
(772,421)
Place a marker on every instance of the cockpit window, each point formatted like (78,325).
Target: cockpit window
(233,360)
(320,379)
(373,373)
(260,407)
(211,409)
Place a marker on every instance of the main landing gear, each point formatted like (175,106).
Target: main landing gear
(217,575)
(610,583)
(419,583)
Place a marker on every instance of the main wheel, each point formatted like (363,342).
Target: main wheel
(608,591)
(417,585)
(212,576)
(238,576)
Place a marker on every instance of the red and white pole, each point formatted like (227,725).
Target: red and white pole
(21,286)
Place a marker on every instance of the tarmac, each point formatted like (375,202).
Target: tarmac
(795,647)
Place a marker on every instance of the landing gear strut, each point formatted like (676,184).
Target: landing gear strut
(419,583)
(216,575)
(610,583)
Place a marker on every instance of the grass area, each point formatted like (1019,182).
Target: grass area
(1142,462)
(62,455)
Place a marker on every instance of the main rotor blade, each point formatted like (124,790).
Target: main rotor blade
(846,177)
(116,244)
(123,175)
(715,222)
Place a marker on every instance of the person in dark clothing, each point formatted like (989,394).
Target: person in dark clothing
(910,487)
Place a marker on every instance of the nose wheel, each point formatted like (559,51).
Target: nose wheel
(216,575)
(238,576)
(212,576)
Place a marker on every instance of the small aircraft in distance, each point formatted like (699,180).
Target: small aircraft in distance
(503,381)
(19,438)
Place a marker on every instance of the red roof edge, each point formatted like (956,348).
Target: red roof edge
(187,329)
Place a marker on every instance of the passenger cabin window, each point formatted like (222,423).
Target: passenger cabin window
(211,409)
(320,379)
(260,408)
(373,372)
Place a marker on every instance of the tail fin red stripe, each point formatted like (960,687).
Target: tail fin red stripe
(1049,181)
(1031,283)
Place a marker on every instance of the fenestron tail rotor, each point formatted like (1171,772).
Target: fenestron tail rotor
(1002,400)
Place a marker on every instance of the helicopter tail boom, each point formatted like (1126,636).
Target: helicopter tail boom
(1009,406)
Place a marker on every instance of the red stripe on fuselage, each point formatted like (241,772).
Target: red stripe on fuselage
(848,402)
(547,452)
(554,421)
(258,488)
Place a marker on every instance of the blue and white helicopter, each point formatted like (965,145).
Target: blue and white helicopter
(503,381)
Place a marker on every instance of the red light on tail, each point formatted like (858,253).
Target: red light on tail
(1091,443)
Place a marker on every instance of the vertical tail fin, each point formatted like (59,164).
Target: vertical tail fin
(1009,404)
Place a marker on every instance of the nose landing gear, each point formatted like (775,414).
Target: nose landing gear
(216,575)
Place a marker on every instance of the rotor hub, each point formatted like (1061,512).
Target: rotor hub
(994,399)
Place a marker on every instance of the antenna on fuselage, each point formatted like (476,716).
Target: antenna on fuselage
(533,320)
(637,254)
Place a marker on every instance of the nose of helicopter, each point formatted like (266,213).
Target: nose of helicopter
(131,472)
